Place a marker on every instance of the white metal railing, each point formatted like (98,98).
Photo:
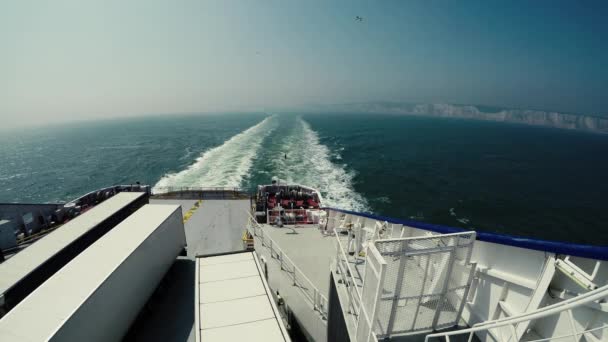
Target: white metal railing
(167,189)
(293,216)
(381,306)
(511,323)
(346,273)
(564,315)
(373,282)
(86,202)
(309,290)
(355,306)
(91,196)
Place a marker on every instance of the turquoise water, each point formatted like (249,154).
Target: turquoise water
(520,180)
(57,164)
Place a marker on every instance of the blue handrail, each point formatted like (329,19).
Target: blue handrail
(573,249)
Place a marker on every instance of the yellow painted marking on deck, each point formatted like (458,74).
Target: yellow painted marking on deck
(191,211)
(247,240)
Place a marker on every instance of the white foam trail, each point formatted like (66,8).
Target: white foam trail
(309,163)
(225,165)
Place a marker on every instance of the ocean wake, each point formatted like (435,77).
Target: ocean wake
(222,166)
(309,163)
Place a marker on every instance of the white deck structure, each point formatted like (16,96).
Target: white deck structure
(214,225)
(505,292)
(31,258)
(402,281)
(233,301)
(353,276)
(99,293)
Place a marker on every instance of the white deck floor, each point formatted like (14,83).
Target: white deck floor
(307,248)
(312,253)
(185,204)
(215,227)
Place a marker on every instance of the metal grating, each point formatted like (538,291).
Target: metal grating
(425,282)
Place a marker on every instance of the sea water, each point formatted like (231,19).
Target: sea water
(514,179)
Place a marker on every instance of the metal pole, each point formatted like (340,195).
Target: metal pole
(514,333)
(572,325)
(350,311)
(337,255)
(465,295)
(444,289)
(271,255)
(422,288)
(398,285)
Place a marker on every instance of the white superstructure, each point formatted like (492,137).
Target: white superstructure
(98,295)
(333,275)
(77,234)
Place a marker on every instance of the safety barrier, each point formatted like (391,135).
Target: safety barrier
(201,192)
(308,289)
(409,285)
(293,216)
(356,306)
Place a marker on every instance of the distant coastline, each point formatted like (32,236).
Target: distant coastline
(581,122)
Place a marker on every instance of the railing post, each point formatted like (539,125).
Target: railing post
(337,256)
(572,325)
(315,300)
(271,255)
(294,275)
(513,332)
(349,304)
(281,260)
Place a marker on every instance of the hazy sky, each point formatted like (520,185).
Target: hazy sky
(86,59)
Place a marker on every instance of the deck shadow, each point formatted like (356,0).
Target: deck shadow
(169,313)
